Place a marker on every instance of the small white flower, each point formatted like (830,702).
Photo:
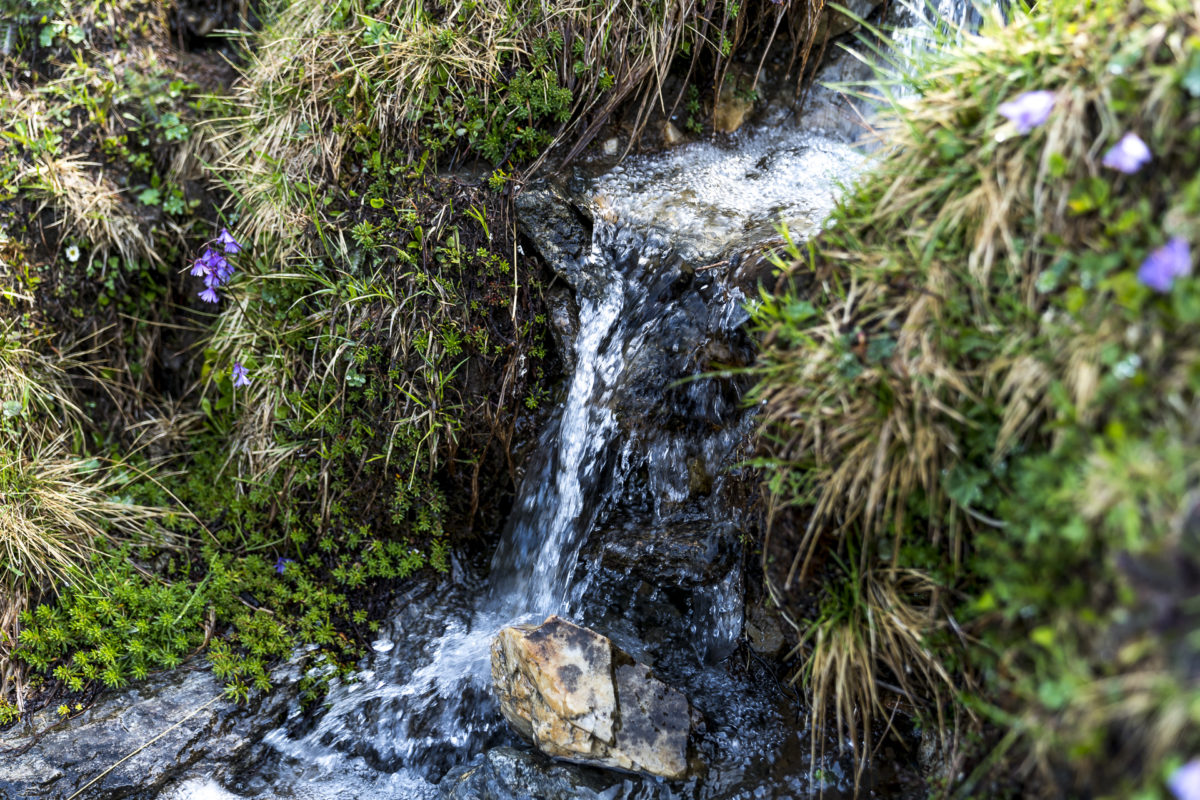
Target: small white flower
(72,254)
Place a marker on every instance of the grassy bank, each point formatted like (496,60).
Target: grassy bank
(981,386)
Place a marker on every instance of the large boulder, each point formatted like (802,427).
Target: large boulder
(581,698)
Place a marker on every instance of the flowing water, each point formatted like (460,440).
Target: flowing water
(624,519)
(633,455)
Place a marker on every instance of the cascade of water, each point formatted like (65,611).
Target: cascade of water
(553,510)
(423,702)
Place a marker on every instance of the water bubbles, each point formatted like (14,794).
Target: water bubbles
(710,196)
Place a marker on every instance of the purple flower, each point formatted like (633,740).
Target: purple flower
(214,267)
(1128,155)
(1161,268)
(1027,111)
(239,375)
(1184,783)
(281,564)
(231,245)
(223,271)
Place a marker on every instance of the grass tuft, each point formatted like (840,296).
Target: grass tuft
(966,380)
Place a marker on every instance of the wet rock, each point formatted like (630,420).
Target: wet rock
(506,773)
(579,697)
(731,111)
(559,231)
(764,631)
(564,323)
(834,23)
(671,135)
(682,553)
(180,720)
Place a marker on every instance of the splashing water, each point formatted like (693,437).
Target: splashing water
(423,703)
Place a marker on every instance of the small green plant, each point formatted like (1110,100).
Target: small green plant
(691,107)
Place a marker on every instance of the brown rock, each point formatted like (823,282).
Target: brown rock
(764,631)
(731,111)
(581,698)
(671,135)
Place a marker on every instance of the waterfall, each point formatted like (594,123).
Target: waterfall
(643,433)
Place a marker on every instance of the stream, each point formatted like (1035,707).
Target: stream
(622,521)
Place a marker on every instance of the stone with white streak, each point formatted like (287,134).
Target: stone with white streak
(579,697)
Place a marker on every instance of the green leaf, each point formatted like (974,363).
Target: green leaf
(964,485)
(1089,195)
(1043,636)
(1058,165)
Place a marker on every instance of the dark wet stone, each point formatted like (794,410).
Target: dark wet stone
(682,553)
(179,720)
(564,323)
(560,232)
(506,773)
(764,631)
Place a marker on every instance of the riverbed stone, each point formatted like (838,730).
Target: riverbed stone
(731,111)
(506,773)
(132,742)
(579,697)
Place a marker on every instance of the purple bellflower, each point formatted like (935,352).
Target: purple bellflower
(239,375)
(214,267)
(231,246)
(1184,782)
(1161,268)
(1128,155)
(1028,110)
(281,564)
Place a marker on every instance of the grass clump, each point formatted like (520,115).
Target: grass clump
(497,81)
(972,378)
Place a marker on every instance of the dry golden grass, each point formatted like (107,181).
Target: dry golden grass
(313,70)
(869,641)
(54,510)
(92,207)
(966,306)
(88,203)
